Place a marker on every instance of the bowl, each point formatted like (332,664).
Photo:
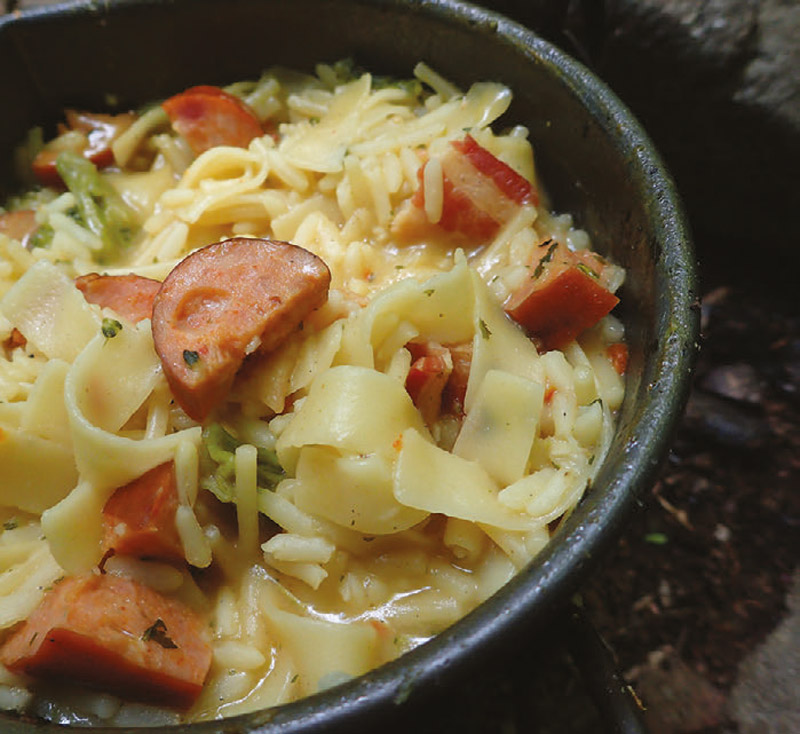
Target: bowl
(597,163)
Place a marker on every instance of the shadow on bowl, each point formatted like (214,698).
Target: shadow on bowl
(597,163)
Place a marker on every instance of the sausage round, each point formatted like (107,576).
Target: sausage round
(225,301)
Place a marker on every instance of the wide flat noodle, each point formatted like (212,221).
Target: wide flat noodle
(322,147)
(293,367)
(352,491)
(36,472)
(499,344)
(113,376)
(351,409)
(432,479)
(97,404)
(51,312)
(440,309)
(499,430)
(324,652)
(340,445)
(24,584)
(107,383)
(44,412)
(74,528)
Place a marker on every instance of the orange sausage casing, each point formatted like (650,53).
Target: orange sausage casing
(115,635)
(225,301)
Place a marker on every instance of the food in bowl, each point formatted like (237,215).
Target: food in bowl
(294,375)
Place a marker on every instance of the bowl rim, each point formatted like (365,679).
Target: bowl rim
(537,592)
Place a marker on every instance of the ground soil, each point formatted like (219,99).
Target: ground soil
(700,576)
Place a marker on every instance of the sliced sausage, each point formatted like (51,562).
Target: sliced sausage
(455,392)
(131,296)
(562,297)
(18,225)
(207,116)
(139,518)
(222,303)
(480,193)
(430,370)
(511,184)
(115,635)
(85,133)
(15,339)
(618,356)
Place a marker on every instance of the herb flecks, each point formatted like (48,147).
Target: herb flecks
(586,270)
(157,632)
(110,328)
(42,237)
(485,331)
(191,358)
(548,256)
(10,524)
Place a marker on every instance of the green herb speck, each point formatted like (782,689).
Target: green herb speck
(587,270)
(191,358)
(157,632)
(110,328)
(42,237)
(548,256)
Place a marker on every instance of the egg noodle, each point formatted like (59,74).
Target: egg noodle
(382,528)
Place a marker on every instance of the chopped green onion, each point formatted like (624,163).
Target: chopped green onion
(99,204)
(217,467)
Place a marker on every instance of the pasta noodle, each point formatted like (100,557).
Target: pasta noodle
(373,475)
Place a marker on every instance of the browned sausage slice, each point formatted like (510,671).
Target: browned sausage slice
(116,635)
(19,225)
(139,518)
(131,296)
(223,302)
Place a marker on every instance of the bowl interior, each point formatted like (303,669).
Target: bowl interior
(595,160)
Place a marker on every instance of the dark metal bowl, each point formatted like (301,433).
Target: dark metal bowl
(594,157)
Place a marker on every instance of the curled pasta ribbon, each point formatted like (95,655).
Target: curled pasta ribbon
(108,382)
